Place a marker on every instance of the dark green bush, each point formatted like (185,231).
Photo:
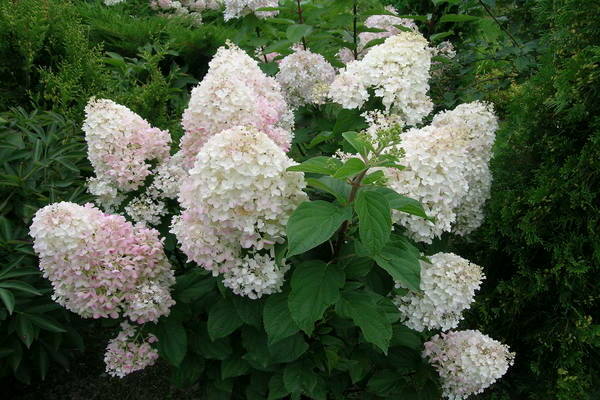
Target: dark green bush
(541,239)
(43,160)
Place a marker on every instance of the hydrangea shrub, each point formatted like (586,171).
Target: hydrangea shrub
(263,275)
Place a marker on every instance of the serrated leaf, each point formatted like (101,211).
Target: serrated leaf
(296,32)
(362,146)
(362,308)
(223,319)
(374,220)
(401,262)
(315,287)
(353,166)
(318,165)
(312,223)
(277,318)
(338,188)
(172,341)
(400,202)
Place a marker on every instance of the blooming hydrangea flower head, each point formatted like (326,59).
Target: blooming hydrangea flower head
(239,8)
(234,92)
(388,23)
(447,171)
(256,275)
(397,70)
(120,144)
(305,77)
(348,88)
(100,265)
(435,162)
(448,287)
(238,195)
(128,353)
(468,362)
(113,2)
(477,124)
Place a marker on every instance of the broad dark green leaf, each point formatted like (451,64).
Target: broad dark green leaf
(318,165)
(277,318)
(312,223)
(47,323)
(223,319)
(362,308)
(172,341)
(399,202)
(21,286)
(338,188)
(234,367)
(400,259)
(8,299)
(458,18)
(288,349)
(351,167)
(359,144)
(25,330)
(374,220)
(315,287)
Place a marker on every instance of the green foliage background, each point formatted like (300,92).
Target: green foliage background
(539,62)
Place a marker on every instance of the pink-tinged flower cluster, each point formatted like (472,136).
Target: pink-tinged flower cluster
(234,92)
(468,362)
(237,200)
(121,144)
(101,265)
(388,24)
(239,8)
(305,77)
(129,352)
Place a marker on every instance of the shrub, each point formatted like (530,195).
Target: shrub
(541,241)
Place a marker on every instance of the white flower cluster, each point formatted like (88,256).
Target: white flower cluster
(476,122)
(305,77)
(120,144)
(113,2)
(191,8)
(447,171)
(448,287)
(255,276)
(388,23)
(128,352)
(239,8)
(444,49)
(397,70)
(238,198)
(234,92)
(467,361)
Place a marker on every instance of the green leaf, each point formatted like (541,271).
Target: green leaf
(362,308)
(312,223)
(399,202)
(458,18)
(8,299)
(47,323)
(338,188)
(315,286)
(374,220)
(223,319)
(401,261)
(249,310)
(351,167)
(299,377)
(386,383)
(188,372)
(172,341)
(441,35)
(348,120)
(277,388)
(404,336)
(296,32)
(318,165)
(25,330)
(277,318)
(19,285)
(362,146)
(234,367)
(288,349)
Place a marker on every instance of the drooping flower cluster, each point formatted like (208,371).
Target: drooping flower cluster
(234,92)
(100,265)
(128,352)
(239,8)
(448,287)
(397,70)
(305,77)
(477,123)
(387,23)
(237,199)
(121,144)
(467,361)
(447,171)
